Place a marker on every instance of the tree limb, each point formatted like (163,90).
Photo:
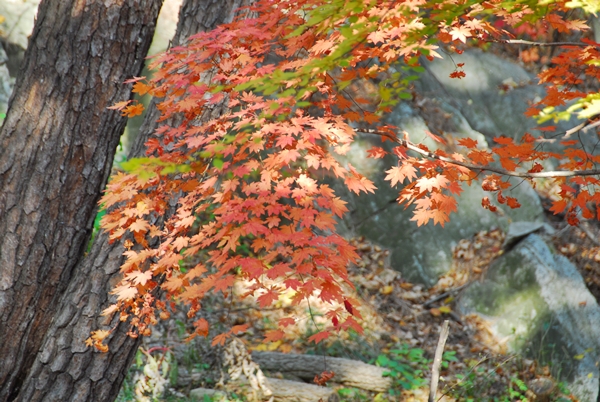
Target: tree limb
(552,173)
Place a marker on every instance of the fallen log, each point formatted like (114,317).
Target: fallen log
(351,373)
(292,391)
(285,391)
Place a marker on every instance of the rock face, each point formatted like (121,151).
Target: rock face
(492,97)
(538,305)
(5,82)
(19,17)
(423,254)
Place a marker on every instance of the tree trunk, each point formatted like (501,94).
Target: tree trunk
(64,369)
(56,150)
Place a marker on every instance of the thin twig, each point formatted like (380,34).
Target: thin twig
(437,361)
(528,42)
(585,228)
(444,295)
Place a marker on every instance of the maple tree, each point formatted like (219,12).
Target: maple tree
(266,103)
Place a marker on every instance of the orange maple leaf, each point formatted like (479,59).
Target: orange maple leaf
(397,174)
(273,335)
(319,336)
(125,292)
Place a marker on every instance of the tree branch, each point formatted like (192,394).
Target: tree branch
(552,173)
(531,43)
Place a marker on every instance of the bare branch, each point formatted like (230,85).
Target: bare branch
(531,43)
(437,361)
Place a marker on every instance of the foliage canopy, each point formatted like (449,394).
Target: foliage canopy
(262,107)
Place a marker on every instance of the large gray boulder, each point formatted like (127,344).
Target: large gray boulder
(537,305)
(492,97)
(422,254)
(487,103)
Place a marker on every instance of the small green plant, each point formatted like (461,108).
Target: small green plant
(352,394)
(516,390)
(407,367)
(447,357)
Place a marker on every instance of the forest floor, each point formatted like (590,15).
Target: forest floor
(402,324)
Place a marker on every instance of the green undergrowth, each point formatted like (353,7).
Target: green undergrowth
(154,374)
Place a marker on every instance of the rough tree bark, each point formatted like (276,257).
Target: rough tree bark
(56,150)
(64,369)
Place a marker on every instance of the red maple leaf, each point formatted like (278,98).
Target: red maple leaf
(267,298)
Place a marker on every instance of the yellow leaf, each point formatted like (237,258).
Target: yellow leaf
(386,290)
(445,309)
(273,346)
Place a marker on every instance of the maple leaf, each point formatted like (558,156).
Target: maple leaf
(460,33)
(139,277)
(439,217)
(273,335)
(458,74)
(321,379)
(468,143)
(512,202)
(278,270)
(430,183)
(220,339)
(133,110)
(238,329)
(201,326)
(267,298)
(376,37)
(319,337)
(140,225)
(376,152)
(181,242)
(120,105)
(397,174)
(141,88)
(110,310)
(558,206)
(287,321)
(357,182)
(348,306)
(422,216)
(125,292)
(100,335)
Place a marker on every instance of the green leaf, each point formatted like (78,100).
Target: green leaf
(218,163)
